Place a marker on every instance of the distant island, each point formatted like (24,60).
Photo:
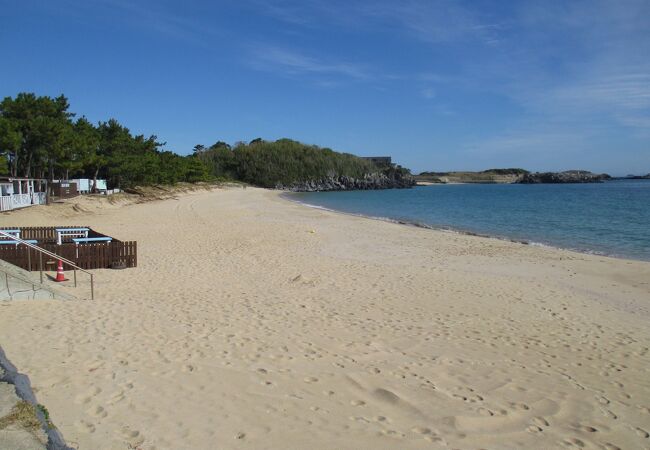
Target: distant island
(485,176)
(512,176)
(635,177)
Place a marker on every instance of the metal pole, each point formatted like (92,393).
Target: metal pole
(40,265)
(92,287)
(29,258)
(75,277)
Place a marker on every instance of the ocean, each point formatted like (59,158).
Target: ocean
(611,218)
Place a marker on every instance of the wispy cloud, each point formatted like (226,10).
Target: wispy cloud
(627,91)
(440,21)
(292,63)
(433,22)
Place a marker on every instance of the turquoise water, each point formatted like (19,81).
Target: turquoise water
(611,218)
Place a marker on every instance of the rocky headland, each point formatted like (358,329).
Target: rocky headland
(372,181)
(569,176)
(513,176)
(490,176)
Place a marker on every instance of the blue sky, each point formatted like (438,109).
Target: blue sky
(439,85)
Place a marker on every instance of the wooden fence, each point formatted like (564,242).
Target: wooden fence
(105,255)
(47,235)
(100,255)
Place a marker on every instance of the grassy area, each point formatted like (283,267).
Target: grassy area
(23,415)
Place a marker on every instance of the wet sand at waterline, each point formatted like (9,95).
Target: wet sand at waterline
(255,322)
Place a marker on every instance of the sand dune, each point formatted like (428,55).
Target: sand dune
(253,322)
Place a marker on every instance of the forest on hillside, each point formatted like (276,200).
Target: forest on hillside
(41,138)
(282,162)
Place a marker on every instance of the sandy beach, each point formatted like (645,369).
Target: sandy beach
(254,322)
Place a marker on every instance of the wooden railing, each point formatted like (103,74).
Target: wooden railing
(5,203)
(13,201)
(40,251)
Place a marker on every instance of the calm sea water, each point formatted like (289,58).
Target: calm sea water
(611,218)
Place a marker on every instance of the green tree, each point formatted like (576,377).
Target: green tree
(10,143)
(41,123)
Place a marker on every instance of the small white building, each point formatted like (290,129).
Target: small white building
(85,185)
(21,192)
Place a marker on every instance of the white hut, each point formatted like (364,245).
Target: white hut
(21,192)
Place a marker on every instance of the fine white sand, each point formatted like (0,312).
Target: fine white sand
(254,322)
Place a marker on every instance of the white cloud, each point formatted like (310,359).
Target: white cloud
(289,62)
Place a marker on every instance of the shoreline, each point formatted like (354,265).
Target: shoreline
(460,231)
(257,322)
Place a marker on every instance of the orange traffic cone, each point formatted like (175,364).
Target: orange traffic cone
(60,276)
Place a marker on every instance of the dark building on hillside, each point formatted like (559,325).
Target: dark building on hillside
(379,160)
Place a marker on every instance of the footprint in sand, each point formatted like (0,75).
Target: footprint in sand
(87,396)
(540,421)
(392,433)
(573,442)
(603,400)
(310,379)
(357,403)
(84,427)
(642,433)
(133,437)
(520,406)
(95,365)
(98,411)
(359,419)
(485,412)
(116,397)
(609,446)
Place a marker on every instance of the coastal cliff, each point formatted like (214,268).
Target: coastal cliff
(373,181)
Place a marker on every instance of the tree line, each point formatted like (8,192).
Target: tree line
(281,162)
(41,138)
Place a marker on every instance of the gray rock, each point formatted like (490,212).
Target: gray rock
(569,176)
(368,182)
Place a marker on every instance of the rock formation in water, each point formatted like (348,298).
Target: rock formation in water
(569,176)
